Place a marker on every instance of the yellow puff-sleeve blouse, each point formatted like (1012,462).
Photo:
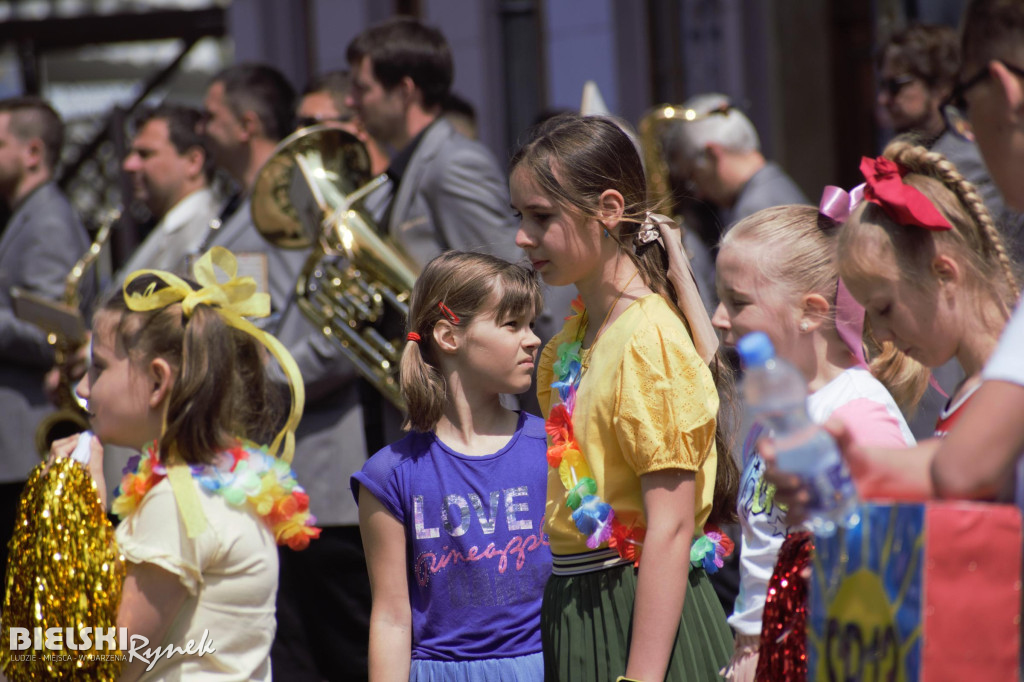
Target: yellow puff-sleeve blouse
(645,402)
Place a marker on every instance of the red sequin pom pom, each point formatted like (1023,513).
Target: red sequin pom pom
(783,631)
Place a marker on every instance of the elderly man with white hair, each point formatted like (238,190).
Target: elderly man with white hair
(716,148)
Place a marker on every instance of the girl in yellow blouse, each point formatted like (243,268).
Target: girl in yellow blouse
(637,467)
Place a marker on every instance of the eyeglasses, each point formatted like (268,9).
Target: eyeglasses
(954,107)
(894,86)
(957,98)
(306,121)
(694,115)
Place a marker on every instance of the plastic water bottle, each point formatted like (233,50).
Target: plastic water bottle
(775,393)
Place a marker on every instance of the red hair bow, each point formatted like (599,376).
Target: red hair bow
(901,202)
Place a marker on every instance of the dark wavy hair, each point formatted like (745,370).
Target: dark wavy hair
(402,46)
(928,51)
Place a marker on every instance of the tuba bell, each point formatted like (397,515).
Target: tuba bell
(650,129)
(356,284)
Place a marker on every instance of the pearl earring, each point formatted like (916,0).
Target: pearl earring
(804,326)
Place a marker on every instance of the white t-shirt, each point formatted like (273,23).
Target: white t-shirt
(867,409)
(230,572)
(1007,363)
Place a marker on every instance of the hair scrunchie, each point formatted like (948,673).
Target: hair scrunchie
(669,235)
(903,203)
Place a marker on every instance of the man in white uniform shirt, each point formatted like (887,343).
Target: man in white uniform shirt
(170,173)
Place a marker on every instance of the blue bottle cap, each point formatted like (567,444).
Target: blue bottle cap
(755,349)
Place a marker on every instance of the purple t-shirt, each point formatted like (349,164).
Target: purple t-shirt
(478,556)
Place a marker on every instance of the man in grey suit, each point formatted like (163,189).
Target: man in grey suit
(170,173)
(248,110)
(449,191)
(41,243)
(718,150)
(917,69)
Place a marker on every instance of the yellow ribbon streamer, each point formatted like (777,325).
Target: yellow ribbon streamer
(234,300)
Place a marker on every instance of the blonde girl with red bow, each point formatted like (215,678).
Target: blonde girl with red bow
(923,256)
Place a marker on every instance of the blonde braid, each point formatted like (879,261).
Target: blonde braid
(925,162)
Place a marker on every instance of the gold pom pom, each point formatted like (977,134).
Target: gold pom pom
(64,571)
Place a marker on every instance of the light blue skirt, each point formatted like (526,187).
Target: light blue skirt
(528,668)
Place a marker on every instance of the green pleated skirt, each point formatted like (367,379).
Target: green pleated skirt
(586,624)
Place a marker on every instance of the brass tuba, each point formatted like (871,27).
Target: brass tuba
(309,193)
(66,333)
(650,130)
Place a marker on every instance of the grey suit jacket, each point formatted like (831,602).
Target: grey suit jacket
(452,196)
(768,187)
(239,235)
(965,156)
(330,443)
(40,245)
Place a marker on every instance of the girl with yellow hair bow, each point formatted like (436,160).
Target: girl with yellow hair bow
(179,374)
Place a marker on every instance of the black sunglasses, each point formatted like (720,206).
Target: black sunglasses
(894,85)
(306,121)
(957,99)
(954,107)
(694,115)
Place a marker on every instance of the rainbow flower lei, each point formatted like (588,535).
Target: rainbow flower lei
(243,474)
(595,518)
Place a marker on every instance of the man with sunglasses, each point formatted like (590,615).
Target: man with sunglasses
(323,101)
(918,69)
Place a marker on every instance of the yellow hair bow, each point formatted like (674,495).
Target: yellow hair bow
(234,300)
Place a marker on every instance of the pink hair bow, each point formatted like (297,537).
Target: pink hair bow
(901,202)
(838,204)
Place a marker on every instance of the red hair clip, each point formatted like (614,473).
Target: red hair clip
(412,336)
(901,202)
(447,312)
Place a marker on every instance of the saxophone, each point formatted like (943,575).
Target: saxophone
(356,284)
(71,416)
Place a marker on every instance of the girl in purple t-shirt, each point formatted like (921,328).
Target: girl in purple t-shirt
(452,515)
